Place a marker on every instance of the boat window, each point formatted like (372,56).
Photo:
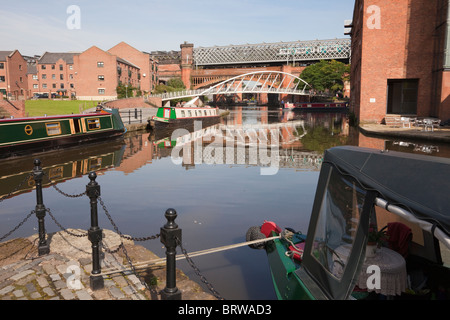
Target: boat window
(93,123)
(189,113)
(53,128)
(182,113)
(337,223)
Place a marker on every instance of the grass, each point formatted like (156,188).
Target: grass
(35,108)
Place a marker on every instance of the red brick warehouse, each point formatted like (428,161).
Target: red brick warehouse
(398,63)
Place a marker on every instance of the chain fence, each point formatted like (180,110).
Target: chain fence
(103,245)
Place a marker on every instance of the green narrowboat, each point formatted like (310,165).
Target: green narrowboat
(399,200)
(184,117)
(21,136)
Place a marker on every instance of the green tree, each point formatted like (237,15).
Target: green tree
(327,75)
(176,83)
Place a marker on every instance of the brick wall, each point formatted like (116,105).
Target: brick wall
(400,47)
(9,110)
(87,70)
(138,102)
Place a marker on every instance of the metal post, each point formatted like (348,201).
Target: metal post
(94,232)
(135,113)
(169,235)
(43,247)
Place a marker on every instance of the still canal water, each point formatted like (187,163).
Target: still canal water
(219,187)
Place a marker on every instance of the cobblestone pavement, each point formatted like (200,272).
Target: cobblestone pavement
(64,273)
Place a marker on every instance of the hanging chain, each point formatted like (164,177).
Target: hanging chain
(53,184)
(153,237)
(62,228)
(18,226)
(197,271)
(17,187)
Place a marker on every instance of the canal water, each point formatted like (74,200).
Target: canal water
(257,165)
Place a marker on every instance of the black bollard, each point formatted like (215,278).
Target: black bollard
(43,247)
(94,233)
(169,235)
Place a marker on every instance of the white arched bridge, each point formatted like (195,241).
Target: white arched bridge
(275,82)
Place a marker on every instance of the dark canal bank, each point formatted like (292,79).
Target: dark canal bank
(218,187)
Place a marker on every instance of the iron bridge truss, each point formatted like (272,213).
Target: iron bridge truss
(275,82)
(274,52)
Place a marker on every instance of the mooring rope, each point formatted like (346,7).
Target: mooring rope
(161,261)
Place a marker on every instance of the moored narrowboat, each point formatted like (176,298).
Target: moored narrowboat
(184,117)
(21,136)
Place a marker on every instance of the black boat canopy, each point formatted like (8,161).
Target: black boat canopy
(417,183)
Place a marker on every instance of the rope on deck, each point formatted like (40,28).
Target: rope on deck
(162,261)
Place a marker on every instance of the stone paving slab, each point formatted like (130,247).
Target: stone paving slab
(64,273)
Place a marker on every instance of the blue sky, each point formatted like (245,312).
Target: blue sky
(34,27)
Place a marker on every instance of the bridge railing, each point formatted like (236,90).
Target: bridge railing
(194,93)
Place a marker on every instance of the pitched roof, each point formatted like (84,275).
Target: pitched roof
(3,54)
(52,57)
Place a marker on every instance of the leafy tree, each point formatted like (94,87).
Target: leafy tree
(327,75)
(124,91)
(176,83)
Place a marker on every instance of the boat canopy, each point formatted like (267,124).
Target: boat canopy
(417,183)
(352,180)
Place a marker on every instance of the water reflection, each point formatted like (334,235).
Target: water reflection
(217,197)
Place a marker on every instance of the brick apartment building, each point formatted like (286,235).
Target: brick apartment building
(399,63)
(93,74)
(147,65)
(13,75)
(53,74)
(97,74)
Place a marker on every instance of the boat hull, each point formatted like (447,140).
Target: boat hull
(27,148)
(287,284)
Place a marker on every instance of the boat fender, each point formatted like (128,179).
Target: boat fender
(297,251)
(268,227)
(254,233)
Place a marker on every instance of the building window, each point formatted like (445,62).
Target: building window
(20,67)
(35,86)
(44,76)
(100,64)
(61,67)
(2,78)
(70,67)
(53,128)
(53,76)
(71,85)
(402,96)
(101,78)
(2,65)
(101,91)
(61,85)
(44,86)
(43,67)
(54,86)
(61,77)
(53,67)
(35,77)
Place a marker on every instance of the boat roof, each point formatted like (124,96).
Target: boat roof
(418,183)
(64,116)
